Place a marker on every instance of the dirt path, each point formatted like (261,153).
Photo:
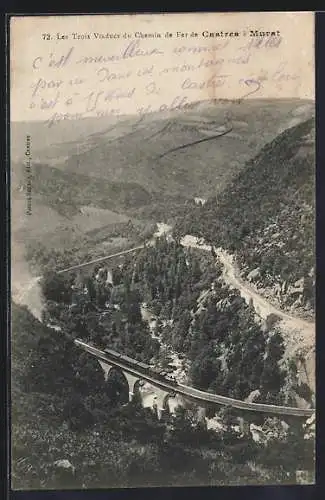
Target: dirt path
(298,333)
(26,291)
(298,330)
(263,307)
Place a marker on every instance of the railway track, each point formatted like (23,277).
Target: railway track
(190,392)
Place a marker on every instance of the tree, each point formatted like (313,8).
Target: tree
(275,346)
(56,287)
(205,368)
(91,288)
(132,306)
(76,414)
(50,368)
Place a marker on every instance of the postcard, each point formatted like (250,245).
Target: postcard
(162,250)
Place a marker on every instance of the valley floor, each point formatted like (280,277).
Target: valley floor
(299,334)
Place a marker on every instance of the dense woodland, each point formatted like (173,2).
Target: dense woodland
(64,409)
(199,316)
(266,218)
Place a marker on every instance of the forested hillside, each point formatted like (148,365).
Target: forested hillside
(167,305)
(97,174)
(199,316)
(229,352)
(266,218)
(73,429)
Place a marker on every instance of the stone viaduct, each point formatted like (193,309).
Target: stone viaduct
(167,390)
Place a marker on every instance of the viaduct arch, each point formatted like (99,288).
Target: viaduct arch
(134,381)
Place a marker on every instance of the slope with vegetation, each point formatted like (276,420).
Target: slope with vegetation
(63,410)
(130,148)
(266,218)
(73,429)
(95,174)
(202,318)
